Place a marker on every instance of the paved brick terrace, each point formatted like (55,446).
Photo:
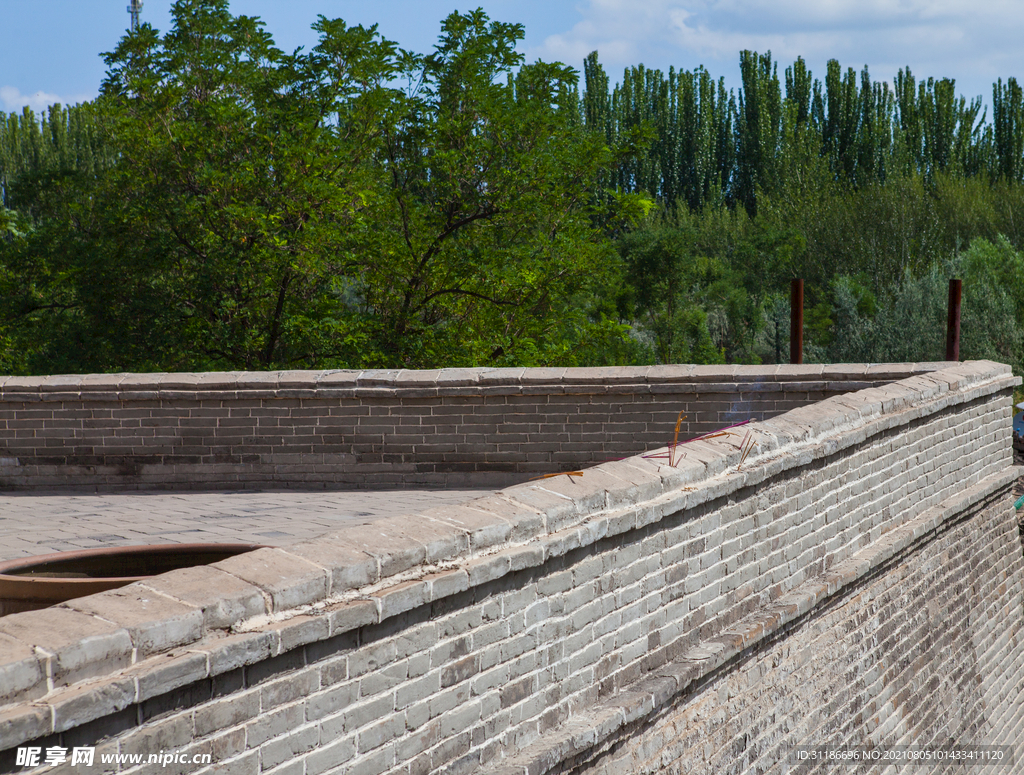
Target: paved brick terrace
(40,523)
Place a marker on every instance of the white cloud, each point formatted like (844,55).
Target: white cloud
(12,100)
(963,39)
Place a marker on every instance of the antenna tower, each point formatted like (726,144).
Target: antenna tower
(134,10)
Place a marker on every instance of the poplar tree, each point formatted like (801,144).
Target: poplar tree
(1008,126)
(758,130)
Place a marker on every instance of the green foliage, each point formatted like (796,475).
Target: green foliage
(758,131)
(666,283)
(1008,129)
(681,126)
(225,204)
(711,146)
(485,220)
(259,178)
(910,324)
(60,143)
(265,209)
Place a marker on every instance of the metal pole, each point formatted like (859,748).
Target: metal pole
(134,10)
(796,321)
(778,341)
(953,321)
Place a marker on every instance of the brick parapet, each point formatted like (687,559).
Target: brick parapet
(549,617)
(917,652)
(450,427)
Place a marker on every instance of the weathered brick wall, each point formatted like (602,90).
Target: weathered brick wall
(920,653)
(858,577)
(454,427)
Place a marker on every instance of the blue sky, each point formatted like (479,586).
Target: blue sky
(50,49)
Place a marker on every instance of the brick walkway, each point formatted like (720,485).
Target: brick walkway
(39,523)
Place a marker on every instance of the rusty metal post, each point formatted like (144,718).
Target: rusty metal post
(953,321)
(796,321)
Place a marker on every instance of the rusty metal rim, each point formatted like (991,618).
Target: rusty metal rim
(14,586)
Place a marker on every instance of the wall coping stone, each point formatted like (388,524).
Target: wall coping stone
(348,580)
(388,382)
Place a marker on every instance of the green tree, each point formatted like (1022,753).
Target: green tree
(218,238)
(45,162)
(666,284)
(758,129)
(909,322)
(484,230)
(1008,121)
(62,141)
(267,209)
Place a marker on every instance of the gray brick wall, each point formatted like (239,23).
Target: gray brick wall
(921,653)
(857,578)
(453,427)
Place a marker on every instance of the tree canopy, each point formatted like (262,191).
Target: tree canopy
(227,205)
(354,205)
